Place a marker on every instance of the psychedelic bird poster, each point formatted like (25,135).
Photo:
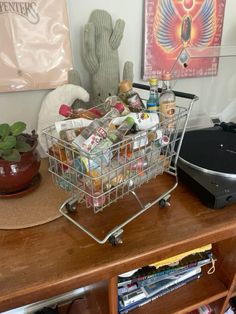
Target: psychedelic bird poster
(171,26)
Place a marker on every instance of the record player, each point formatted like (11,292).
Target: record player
(207,163)
(207,159)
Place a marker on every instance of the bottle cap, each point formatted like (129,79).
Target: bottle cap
(65,110)
(120,107)
(153,81)
(125,86)
(130,121)
(166,76)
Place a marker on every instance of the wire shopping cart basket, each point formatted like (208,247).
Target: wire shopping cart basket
(96,180)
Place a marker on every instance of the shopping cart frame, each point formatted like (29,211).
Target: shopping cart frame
(114,235)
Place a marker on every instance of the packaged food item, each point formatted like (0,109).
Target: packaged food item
(96,199)
(70,135)
(139,165)
(113,100)
(71,124)
(134,143)
(94,180)
(106,148)
(72,113)
(165,162)
(118,134)
(80,167)
(117,176)
(97,130)
(143,120)
(58,152)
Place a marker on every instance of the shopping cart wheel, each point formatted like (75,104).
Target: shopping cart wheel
(115,238)
(164,202)
(71,206)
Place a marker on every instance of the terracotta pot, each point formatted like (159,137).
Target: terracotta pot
(17,176)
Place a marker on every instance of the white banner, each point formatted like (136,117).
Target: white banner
(35,50)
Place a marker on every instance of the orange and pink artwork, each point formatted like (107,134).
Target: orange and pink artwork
(171,26)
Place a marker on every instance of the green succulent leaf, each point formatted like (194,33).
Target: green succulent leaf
(18,127)
(8,142)
(13,156)
(4,130)
(22,146)
(5,152)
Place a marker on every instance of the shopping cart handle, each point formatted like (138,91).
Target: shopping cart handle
(177,94)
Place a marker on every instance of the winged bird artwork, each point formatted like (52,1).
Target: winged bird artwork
(174,31)
(178,24)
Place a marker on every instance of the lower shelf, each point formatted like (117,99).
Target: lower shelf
(202,291)
(93,301)
(205,290)
(218,305)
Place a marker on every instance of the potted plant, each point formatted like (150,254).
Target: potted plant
(19,159)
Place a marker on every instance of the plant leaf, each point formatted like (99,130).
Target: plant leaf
(22,146)
(5,152)
(14,156)
(8,142)
(4,130)
(18,127)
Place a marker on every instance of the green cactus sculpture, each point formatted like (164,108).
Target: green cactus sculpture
(101,42)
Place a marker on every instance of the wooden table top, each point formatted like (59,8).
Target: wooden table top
(40,262)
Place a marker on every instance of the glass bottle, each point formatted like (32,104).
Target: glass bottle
(97,129)
(153,100)
(118,134)
(72,113)
(103,149)
(167,101)
(130,97)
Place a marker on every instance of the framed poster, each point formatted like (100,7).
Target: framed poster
(35,50)
(173,25)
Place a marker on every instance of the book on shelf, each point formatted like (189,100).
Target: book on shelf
(148,283)
(127,288)
(179,257)
(149,274)
(153,288)
(171,260)
(172,272)
(147,299)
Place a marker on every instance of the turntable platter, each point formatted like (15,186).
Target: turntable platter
(210,149)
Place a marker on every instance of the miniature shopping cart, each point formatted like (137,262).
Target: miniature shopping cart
(95,181)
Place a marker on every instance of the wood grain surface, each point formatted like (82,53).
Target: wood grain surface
(47,260)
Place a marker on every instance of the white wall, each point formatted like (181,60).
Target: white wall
(25,105)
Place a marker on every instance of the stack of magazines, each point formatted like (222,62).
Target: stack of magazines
(148,283)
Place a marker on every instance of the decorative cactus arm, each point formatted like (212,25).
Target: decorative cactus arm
(90,57)
(73,77)
(117,34)
(128,73)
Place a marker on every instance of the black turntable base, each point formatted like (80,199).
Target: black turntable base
(207,163)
